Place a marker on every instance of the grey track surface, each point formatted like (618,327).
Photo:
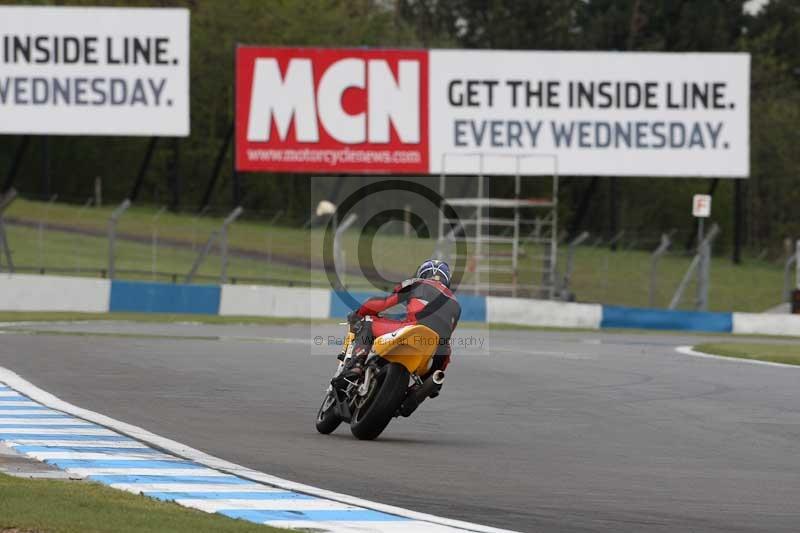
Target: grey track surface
(547,432)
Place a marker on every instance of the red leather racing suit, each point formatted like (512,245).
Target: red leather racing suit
(427,302)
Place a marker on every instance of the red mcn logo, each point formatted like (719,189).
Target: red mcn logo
(331,110)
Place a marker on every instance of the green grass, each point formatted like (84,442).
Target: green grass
(599,275)
(777,353)
(76,507)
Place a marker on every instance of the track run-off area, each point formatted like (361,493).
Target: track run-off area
(533,431)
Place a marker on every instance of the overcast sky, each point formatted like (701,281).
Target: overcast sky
(753,6)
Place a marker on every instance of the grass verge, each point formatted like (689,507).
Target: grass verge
(54,506)
(777,353)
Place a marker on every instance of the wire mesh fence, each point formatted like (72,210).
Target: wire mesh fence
(152,243)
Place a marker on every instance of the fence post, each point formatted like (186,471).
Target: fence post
(223,276)
(565,295)
(78,218)
(657,254)
(703,275)
(270,224)
(112,234)
(40,233)
(154,250)
(6,201)
(338,251)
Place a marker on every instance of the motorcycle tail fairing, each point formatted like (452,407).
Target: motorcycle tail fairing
(411,346)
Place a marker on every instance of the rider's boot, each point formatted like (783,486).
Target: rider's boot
(355,367)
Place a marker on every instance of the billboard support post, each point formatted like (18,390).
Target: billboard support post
(15,163)
(738,215)
(174,176)
(212,181)
(613,208)
(148,155)
(45,183)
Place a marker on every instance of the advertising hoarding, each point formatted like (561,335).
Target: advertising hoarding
(493,112)
(94,71)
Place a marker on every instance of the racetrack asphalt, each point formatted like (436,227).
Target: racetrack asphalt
(537,431)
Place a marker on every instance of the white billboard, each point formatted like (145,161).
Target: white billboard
(589,113)
(94,71)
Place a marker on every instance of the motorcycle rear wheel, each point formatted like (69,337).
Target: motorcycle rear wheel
(327,419)
(371,419)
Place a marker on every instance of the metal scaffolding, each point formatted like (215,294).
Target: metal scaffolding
(509,245)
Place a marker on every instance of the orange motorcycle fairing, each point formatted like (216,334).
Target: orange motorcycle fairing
(412,346)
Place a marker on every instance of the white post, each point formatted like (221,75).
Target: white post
(797,264)
(338,250)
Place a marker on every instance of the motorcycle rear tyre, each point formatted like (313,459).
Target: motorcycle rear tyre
(383,407)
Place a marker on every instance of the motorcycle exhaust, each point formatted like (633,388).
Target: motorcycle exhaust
(429,389)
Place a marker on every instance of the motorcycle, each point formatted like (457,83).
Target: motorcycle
(391,385)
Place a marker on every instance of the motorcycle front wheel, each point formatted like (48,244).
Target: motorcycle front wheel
(327,419)
(382,402)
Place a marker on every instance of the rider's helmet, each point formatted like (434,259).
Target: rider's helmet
(435,269)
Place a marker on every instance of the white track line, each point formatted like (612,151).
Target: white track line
(130,471)
(213,506)
(401,526)
(35,393)
(77,443)
(45,422)
(90,456)
(138,488)
(92,431)
(5,412)
(689,350)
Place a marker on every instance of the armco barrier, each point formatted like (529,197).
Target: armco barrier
(22,292)
(630,317)
(257,300)
(145,297)
(542,313)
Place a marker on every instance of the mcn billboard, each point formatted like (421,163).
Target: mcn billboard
(496,112)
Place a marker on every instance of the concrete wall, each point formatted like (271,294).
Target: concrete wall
(255,300)
(766,324)
(21,292)
(543,313)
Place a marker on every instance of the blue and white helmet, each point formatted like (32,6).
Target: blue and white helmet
(435,269)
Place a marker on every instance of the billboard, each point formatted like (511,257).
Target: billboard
(330,110)
(94,71)
(318,110)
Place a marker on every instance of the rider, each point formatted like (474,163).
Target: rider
(429,302)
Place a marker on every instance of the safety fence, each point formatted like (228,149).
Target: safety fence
(21,292)
(629,269)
